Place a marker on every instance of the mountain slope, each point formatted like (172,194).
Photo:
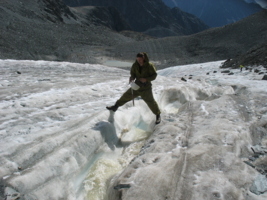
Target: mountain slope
(107,16)
(254,57)
(216,13)
(151,17)
(49,30)
(213,44)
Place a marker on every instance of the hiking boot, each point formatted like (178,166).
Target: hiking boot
(158,119)
(113,108)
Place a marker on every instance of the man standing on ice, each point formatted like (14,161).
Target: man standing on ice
(142,73)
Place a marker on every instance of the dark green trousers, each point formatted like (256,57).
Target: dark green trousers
(146,95)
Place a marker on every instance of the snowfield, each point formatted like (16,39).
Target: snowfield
(57,140)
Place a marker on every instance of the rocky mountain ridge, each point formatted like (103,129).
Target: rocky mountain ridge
(216,13)
(150,17)
(214,44)
(50,30)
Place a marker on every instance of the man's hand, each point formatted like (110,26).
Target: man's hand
(143,80)
(130,80)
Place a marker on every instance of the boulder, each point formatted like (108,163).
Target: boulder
(260,185)
(225,71)
(183,79)
(264,77)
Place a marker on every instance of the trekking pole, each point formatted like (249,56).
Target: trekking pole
(132,95)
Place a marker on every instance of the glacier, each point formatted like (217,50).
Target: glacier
(59,142)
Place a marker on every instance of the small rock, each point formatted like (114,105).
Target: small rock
(226,71)
(257,150)
(252,158)
(261,73)
(259,185)
(18,72)
(183,79)
(256,70)
(263,110)
(190,77)
(216,194)
(231,73)
(23,104)
(122,186)
(264,77)
(249,164)
(214,71)
(208,73)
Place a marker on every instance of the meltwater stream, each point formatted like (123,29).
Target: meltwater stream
(109,159)
(107,165)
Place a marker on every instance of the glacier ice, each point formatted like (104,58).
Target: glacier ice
(58,141)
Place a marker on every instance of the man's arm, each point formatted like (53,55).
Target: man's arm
(152,72)
(133,76)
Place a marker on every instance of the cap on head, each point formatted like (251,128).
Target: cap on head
(140,55)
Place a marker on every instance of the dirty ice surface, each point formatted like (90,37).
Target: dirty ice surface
(57,141)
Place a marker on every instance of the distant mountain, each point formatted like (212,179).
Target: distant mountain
(150,17)
(216,13)
(261,3)
(50,30)
(213,44)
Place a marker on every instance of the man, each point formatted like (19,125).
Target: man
(142,73)
(241,68)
